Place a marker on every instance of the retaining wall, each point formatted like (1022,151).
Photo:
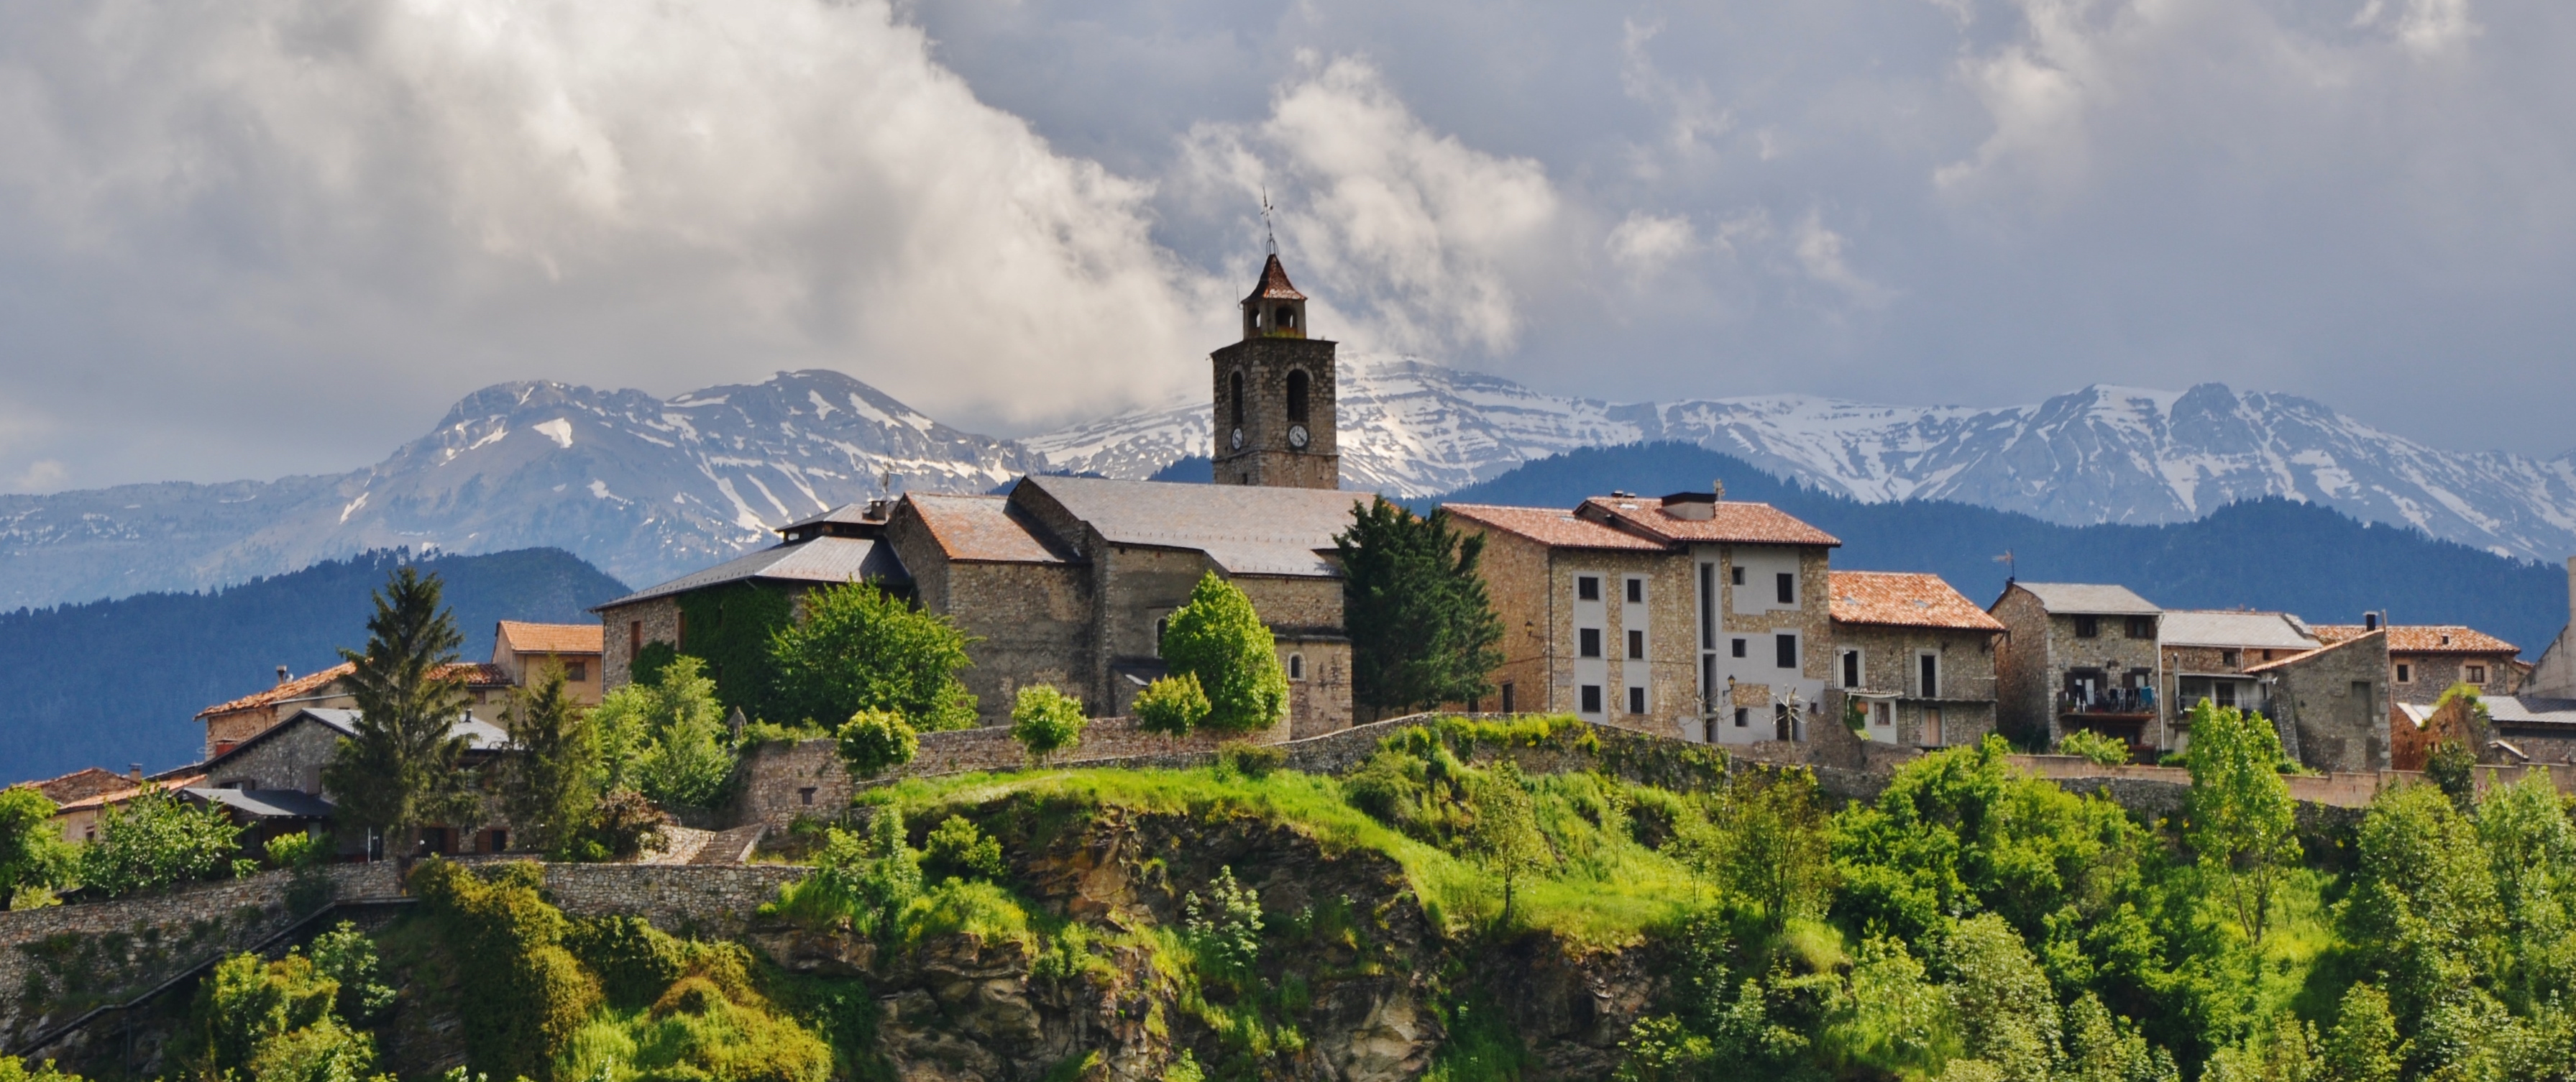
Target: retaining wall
(702,900)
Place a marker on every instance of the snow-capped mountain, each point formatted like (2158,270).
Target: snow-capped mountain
(2101,454)
(644,488)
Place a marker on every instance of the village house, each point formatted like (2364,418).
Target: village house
(1916,656)
(2331,705)
(2554,675)
(487,686)
(520,649)
(272,782)
(1685,615)
(2425,660)
(843,545)
(2536,723)
(2207,652)
(77,816)
(2078,656)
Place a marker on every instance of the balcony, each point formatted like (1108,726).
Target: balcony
(2107,702)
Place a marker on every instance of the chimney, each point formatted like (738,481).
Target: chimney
(282,676)
(135,771)
(1719,487)
(2369,621)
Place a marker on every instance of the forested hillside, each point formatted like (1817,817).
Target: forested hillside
(118,682)
(2267,554)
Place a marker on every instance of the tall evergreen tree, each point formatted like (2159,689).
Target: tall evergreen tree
(1423,631)
(404,770)
(546,788)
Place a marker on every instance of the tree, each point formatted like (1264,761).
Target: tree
(157,841)
(1505,832)
(873,740)
(33,854)
(2363,1045)
(2243,825)
(671,733)
(404,769)
(1046,721)
(861,648)
(1423,630)
(547,787)
(1769,842)
(1221,642)
(1171,705)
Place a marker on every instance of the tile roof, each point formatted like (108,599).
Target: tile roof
(527,638)
(297,688)
(1728,522)
(817,560)
(120,796)
(86,782)
(1550,527)
(2236,630)
(1273,285)
(1904,599)
(2425,639)
(982,529)
(1245,529)
(2091,599)
(2304,655)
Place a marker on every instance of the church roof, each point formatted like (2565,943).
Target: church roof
(980,529)
(818,560)
(1274,284)
(1245,529)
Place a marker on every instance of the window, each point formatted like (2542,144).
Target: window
(2405,673)
(1743,716)
(1507,697)
(576,671)
(1285,318)
(2477,674)
(1234,413)
(1636,646)
(1162,626)
(1587,588)
(1588,642)
(2226,693)
(1737,574)
(1636,591)
(805,796)
(1784,650)
(634,640)
(1297,381)
(1591,698)
(2227,659)
(1636,700)
(497,841)
(2087,627)
(1296,666)
(1788,583)
(1930,664)
(1707,606)
(1739,647)
(1851,668)
(2142,627)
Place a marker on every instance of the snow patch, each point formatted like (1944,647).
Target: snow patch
(558,430)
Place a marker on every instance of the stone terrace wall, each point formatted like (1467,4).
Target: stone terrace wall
(712,901)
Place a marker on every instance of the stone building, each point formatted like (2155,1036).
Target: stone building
(1687,615)
(2554,675)
(841,546)
(2078,656)
(273,781)
(1916,656)
(520,648)
(2425,660)
(2332,704)
(486,686)
(2206,655)
(1275,397)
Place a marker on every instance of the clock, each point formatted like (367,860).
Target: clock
(1297,436)
(1238,439)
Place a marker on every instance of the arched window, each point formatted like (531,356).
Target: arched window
(1237,381)
(1296,666)
(1285,318)
(1297,395)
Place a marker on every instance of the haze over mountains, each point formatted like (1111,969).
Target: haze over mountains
(647,488)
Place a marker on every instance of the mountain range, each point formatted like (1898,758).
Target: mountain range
(649,488)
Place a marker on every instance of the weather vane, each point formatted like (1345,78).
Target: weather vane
(1269,236)
(2007,560)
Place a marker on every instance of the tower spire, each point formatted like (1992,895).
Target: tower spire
(1269,234)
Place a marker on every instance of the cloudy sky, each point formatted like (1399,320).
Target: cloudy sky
(241,238)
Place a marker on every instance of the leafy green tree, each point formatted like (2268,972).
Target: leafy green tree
(157,841)
(348,957)
(671,735)
(2453,769)
(2531,851)
(1505,832)
(33,855)
(874,740)
(2007,1011)
(405,767)
(861,648)
(958,849)
(1171,705)
(529,993)
(1423,631)
(547,786)
(274,1022)
(2422,912)
(2363,1046)
(1218,639)
(2243,825)
(1771,844)
(1046,721)
(2101,750)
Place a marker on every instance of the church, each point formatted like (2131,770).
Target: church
(1069,581)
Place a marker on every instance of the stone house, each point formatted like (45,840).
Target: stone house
(77,817)
(519,648)
(2424,660)
(1916,656)
(487,686)
(2332,704)
(2078,656)
(273,781)
(1685,615)
(841,546)
(2207,653)
(2554,675)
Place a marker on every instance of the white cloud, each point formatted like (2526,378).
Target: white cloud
(1646,243)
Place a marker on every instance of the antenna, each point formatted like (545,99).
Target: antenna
(1269,236)
(2007,560)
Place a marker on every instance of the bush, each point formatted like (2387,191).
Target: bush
(635,962)
(1219,639)
(273,1022)
(1226,928)
(348,957)
(1172,705)
(11,1070)
(157,841)
(2102,750)
(957,849)
(665,739)
(874,740)
(861,648)
(624,824)
(33,855)
(1046,721)
(297,851)
(863,882)
(1249,759)
(528,993)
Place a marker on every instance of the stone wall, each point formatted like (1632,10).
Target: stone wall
(1964,669)
(2429,675)
(2332,705)
(661,619)
(287,759)
(707,901)
(1266,457)
(1034,623)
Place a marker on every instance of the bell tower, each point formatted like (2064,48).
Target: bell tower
(1274,394)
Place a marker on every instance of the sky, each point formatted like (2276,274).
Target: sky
(247,238)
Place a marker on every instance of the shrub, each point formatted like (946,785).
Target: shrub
(665,739)
(1226,928)
(957,849)
(33,855)
(861,648)
(2087,744)
(874,740)
(1172,705)
(1046,721)
(624,824)
(2453,769)
(11,1070)
(864,882)
(273,1022)
(348,957)
(529,994)
(297,851)
(1251,760)
(635,962)
(1219,639)
(157,841)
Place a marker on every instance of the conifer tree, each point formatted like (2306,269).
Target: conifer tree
(1423,630)
(404,770)
(546,789)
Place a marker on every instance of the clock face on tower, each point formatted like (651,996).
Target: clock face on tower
(1238,439)
(1297,436)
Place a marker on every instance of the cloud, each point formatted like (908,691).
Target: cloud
(1646,243)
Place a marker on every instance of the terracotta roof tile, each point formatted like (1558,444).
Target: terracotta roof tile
(1274,283)
(2423,638)
(1551,527)
(120,796)
(2305,654)
(1904,599)
(293,689)
(981,529)
(527,638)
(85,782)
(1728,522)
